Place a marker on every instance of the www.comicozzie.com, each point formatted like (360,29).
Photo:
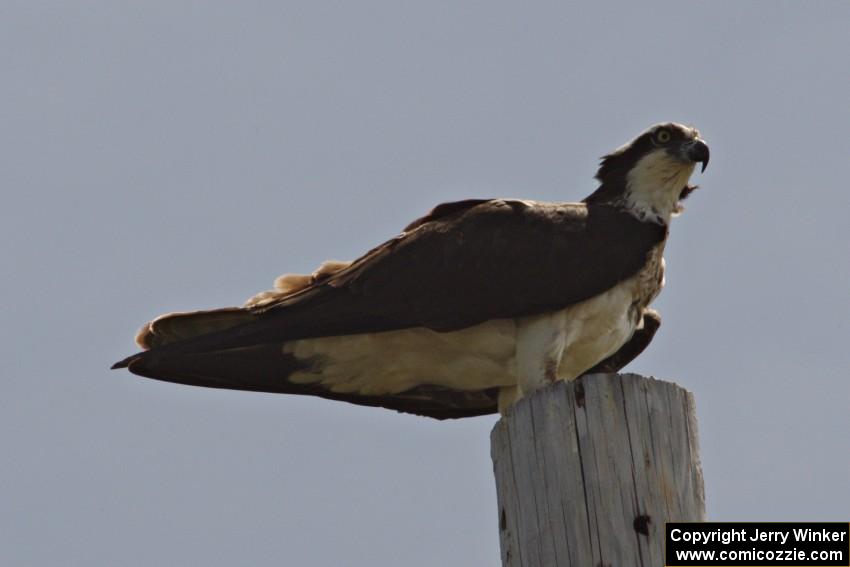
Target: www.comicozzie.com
(758,544)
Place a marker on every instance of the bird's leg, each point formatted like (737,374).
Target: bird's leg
(508,395)
(540,344)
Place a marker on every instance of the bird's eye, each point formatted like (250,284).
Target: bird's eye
(663,136)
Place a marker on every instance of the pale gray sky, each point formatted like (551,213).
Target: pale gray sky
(171,155)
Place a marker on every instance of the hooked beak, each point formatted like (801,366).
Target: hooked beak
(697,151)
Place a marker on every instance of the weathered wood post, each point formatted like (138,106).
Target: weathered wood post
(587,472)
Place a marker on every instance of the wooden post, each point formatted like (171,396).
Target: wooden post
(587,472)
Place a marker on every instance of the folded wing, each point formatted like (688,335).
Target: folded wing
(461,265)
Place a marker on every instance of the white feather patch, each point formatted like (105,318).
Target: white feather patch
(654,184)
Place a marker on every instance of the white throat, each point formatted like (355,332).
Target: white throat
(654,184)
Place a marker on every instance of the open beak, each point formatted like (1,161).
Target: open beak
(697,151)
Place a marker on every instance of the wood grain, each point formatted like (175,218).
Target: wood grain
(587,472)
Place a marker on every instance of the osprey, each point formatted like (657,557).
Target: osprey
(469,308)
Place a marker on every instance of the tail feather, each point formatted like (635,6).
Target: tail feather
(267,368)
(262,368)
(173,327)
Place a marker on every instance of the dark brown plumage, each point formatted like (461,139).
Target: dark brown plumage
(462,265)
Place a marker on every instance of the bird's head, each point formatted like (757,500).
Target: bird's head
(649,175)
